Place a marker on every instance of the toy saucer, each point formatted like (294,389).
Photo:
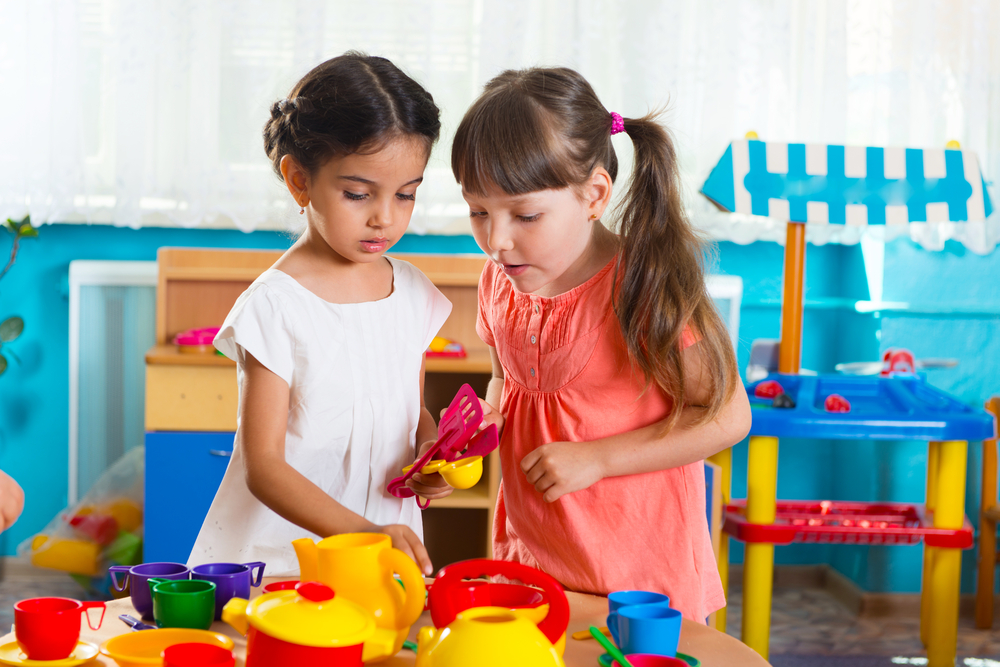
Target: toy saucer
(607,661)
(11,654)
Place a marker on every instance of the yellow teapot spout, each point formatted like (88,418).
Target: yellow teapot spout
(308,555)
(235,614)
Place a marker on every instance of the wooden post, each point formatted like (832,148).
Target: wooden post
(790,348)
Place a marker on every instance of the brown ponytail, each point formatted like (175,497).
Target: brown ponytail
(661,279)
(537,129)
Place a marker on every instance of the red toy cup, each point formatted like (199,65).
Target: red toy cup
(281,586)
(49,628)
(197,655)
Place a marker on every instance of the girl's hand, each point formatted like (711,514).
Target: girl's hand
(404,539)
(559,468)
(428,487)
(491,416)
(11,501)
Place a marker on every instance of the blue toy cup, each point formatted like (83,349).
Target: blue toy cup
(649,628)
(619,599)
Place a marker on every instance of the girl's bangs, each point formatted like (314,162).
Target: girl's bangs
(505,144)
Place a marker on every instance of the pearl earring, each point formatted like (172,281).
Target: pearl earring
(302,210)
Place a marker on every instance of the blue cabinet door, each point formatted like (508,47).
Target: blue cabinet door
(183,472)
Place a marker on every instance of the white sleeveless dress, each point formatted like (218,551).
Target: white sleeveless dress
(353,371)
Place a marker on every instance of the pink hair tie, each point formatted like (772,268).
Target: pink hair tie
(617,123)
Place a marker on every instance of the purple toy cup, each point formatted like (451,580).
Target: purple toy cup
(139,576)
(232,580)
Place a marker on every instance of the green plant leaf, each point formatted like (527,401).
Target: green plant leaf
(3,364)
(11,328)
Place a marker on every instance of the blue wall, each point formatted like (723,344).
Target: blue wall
(34,394)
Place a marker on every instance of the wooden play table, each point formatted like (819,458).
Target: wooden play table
(712,647)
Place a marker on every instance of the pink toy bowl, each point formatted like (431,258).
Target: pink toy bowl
(651,660)
(281,586)
(196,341)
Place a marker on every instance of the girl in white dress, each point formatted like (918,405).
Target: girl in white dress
(329,341)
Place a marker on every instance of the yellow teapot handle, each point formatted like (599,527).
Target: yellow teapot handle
(396,561)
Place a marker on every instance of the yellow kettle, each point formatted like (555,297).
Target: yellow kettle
(360,567)
(486,637)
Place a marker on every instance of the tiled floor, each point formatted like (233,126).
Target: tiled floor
(812,622)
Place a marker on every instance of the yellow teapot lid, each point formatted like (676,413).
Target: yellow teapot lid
(311,615)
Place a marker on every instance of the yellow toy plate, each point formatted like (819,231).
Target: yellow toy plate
(11,654)
(137,649)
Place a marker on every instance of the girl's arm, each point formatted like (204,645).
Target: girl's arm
(494,392)
(558,468)
(263,420)
(433,486)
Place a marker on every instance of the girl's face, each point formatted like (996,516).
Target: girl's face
(539,238)
(361,204)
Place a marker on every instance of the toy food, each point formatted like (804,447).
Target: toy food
(768,389)
(310,625)
(836,403)
(360,567)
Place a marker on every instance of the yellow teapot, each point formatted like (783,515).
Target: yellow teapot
(486,637)
(360,567)
(467,634)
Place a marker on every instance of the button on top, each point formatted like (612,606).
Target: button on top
(536,307)
(532,372)
(532,340)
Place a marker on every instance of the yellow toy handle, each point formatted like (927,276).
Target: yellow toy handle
(396,561)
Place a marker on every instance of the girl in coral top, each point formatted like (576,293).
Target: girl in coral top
(613,375)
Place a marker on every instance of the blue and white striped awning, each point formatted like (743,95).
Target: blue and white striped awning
(849,185)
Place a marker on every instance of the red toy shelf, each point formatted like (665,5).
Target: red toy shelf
(845,522)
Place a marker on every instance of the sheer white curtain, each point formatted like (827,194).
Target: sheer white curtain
(148,113)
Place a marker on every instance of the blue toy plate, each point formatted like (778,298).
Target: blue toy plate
(886,408)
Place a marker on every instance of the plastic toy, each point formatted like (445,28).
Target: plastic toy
(769,389)
(898,361)
(464,473)
(310,625)
(196,341)
(509,641)
(605,660)
(783,401)
(457,438)
(445,348)
(49,628)
(144,649)
(139,576)
(524,601)
(836,403)
(69,555)
(82,653)
(183,603)
(360,567)
(232,580)
(197,655)
(135,623)
(859,186)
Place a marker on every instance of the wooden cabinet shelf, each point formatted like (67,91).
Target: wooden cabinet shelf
(188,393)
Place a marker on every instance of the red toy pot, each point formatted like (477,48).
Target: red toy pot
(449,594)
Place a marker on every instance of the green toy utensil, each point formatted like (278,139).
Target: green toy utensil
(609,647)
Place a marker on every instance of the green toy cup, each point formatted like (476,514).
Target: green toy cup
(183,603)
